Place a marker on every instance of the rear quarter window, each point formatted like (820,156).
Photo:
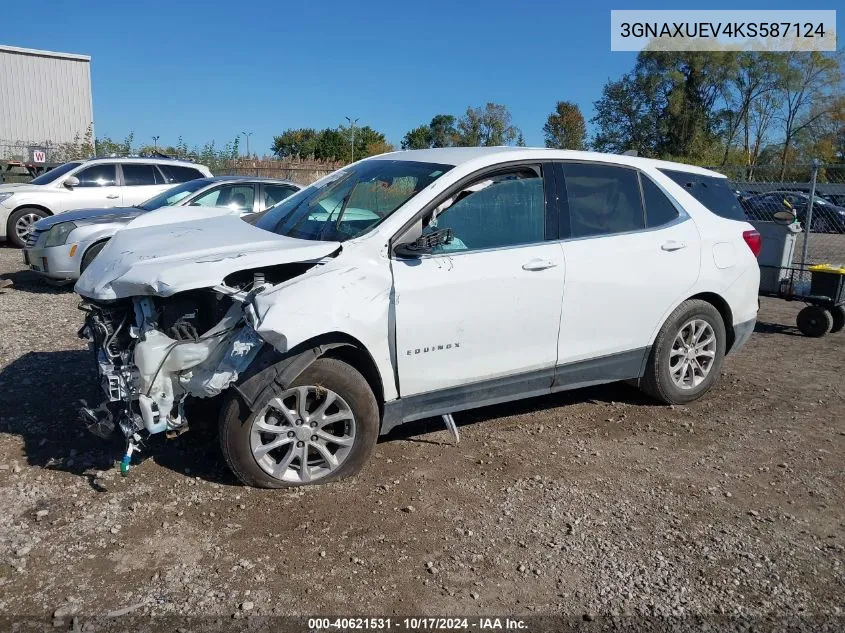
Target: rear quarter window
(713,192)
(178,173)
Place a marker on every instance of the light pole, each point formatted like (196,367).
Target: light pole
(247,135)
(155,142)
(352,123)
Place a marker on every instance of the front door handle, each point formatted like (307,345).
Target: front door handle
(538,264)
(672,245)
(112,196)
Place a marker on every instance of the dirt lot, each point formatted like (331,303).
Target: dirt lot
(586,503)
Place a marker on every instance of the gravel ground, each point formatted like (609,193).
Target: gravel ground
(589,503)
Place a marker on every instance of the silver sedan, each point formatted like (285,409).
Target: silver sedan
(62,246)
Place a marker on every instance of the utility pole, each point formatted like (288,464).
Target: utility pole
(352,123)
(247,135)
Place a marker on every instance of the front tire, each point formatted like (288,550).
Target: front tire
(322,428)
(21,222)
(687,354)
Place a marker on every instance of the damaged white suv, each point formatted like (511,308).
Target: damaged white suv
(417,284)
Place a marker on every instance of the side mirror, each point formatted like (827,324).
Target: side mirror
(70,182)
(424,244)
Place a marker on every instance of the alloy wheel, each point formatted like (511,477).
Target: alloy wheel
(24,225)
(692,354)
(303,434)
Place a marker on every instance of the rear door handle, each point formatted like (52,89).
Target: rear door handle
(112,196)
(538,264)
(672,245)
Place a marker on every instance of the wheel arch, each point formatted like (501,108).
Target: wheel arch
(717,301)
(29,205)
(89,247)
(272,367)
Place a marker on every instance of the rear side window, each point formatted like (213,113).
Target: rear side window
(136,175)
(659,210)
(274,194)
(178,173)
(714,193)
(603,199)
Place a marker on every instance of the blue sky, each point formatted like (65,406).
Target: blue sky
(209,70)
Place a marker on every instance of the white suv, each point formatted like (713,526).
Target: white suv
(417,284)
(88,184)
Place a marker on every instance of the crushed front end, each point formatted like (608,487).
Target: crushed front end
(152,353)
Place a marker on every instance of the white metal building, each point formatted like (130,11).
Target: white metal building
(45,98)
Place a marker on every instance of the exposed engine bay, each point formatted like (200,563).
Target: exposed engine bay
(154,352)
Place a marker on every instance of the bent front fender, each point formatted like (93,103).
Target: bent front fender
(272,372)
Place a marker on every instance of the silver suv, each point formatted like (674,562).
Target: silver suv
(88,184)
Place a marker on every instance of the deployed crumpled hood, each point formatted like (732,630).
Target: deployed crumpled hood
(163,259)
(90,216)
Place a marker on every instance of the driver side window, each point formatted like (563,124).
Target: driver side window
(505,209)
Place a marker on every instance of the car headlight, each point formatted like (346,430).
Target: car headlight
(5,196)
(58,233)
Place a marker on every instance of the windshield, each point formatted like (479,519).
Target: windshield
(57,172)
(350,201)
(174,195)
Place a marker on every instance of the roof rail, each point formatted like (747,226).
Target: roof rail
(159,155)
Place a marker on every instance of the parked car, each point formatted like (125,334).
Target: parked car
(61,247)
(416,284)
(85,184)
(827,217)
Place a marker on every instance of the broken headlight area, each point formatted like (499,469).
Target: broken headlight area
(152,353)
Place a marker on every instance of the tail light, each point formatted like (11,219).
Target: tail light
(754,241)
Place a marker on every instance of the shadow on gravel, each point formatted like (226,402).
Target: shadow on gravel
(764,327)
(39,398)
(40,394)
(611,393)
(28,281)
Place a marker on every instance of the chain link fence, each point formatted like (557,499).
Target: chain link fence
(303,172)
(814,193)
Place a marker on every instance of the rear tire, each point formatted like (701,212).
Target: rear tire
(243,436)
(89,256)
(814,321)
(687,354)
(21,222)
(838,314)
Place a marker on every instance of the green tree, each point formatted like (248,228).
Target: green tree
(440,132)
(626,117)
(565,127)
(686,86)
(486,126)
(298,143)
(443,131)
(331,145)
(367,140)
(811,87)
(418,138)
(106,146)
